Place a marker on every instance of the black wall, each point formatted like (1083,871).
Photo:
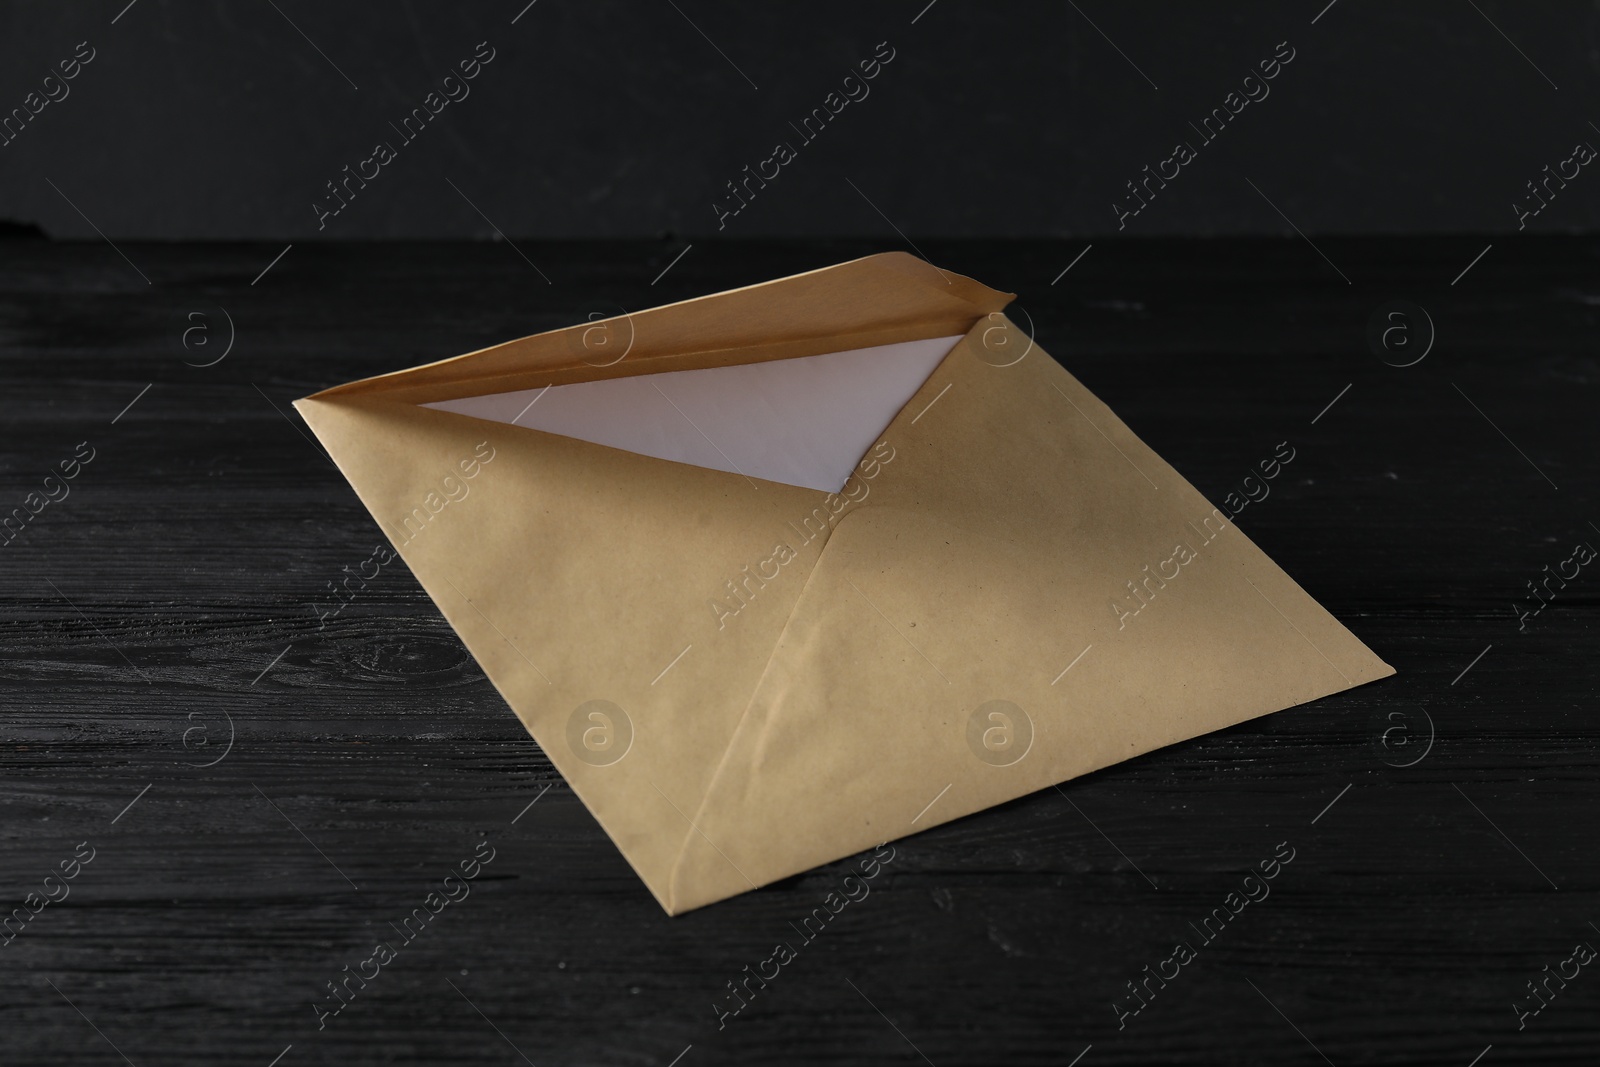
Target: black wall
(623,120)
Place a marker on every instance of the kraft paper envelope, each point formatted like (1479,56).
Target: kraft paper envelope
(744,675)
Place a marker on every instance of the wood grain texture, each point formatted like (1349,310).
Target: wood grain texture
(141,611)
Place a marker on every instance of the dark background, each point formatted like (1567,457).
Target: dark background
(621,120)
(170,697)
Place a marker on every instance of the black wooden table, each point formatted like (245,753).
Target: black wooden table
(262,795)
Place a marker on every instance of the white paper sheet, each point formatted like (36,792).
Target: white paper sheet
(804,421)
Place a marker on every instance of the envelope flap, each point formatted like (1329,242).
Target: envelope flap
(881,299)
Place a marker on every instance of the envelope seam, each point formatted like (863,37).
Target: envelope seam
(744,715)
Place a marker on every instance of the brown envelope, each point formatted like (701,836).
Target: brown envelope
(1022,593)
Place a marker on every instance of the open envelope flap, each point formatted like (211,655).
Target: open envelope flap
(921,675)
(877,300)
